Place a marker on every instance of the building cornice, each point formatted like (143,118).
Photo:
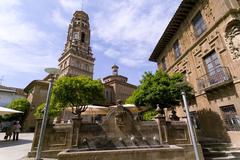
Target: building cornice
(7,90)
(78,57)
(180,15)
(115,76)
(122,83)
(33,83)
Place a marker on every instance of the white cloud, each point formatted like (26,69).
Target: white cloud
(127,28)
(5,4)
(24,48)
(24,63)
(126,31)
(112,53)
(71,5)
(59,19)
(97,47)
(132,28)
(13,29)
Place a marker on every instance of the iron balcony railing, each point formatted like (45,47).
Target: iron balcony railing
(216,77)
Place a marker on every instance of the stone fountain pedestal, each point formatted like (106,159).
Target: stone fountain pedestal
(119,137)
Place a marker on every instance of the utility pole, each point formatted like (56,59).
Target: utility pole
(189,122)
(53,72)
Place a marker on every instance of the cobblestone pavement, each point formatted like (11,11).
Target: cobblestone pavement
(15,150)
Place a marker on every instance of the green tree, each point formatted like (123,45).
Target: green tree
(160,88)
(20,104)
(77,92)
(54,110)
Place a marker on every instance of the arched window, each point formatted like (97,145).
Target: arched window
(82,37)
(233,38)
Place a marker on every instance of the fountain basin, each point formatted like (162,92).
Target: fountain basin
(161,153)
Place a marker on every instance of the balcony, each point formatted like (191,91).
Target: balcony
(215,78)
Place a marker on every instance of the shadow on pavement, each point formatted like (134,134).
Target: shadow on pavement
(14,143)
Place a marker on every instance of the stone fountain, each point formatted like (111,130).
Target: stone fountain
(119,137)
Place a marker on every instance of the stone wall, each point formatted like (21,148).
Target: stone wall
(57,138)
(64,136)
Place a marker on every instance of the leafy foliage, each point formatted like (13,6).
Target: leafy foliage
(54,110)
(20,104)
(149,115)
(77,92)
(160,88)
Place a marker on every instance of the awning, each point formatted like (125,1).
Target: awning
(133,108)
(93,110)
(4,111)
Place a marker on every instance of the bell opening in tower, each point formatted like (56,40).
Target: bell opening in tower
(82,37)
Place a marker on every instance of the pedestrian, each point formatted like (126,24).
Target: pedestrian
(0,126)
(8,133)
(16,130)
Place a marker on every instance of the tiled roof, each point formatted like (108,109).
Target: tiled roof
(6,88)
(18,91)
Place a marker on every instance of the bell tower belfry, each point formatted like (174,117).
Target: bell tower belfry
(77,58)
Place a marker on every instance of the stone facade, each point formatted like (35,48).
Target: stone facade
(37,94)
(116,87)
(202,42)
(77,58)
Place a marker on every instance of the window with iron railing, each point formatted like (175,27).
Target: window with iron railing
(213,66)
(215,73)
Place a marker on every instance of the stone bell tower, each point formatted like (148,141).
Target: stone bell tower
(77,58)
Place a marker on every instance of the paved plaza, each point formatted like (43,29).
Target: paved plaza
(15,150)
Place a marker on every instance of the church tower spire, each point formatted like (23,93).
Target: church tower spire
(77,58)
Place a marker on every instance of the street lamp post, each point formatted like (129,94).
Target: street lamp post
(190,126)
(53,72)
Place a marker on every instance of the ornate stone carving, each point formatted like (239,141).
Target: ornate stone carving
(208,13)
(121,116)
(233,38)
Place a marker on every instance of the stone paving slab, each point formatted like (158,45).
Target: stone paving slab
(15,150)
(34,159)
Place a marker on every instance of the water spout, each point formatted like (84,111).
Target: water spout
(154,138)
(144,138)
(84,140)
(120,139)
(132,138)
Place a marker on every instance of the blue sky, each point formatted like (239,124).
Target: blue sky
(123,32)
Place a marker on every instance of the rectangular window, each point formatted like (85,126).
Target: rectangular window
(185,76)
(164,65)
(75,35)
(82,37)
(230,118)
(198,24)
(214,70)
(176,48)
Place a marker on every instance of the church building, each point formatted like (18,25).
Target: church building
(77,59)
